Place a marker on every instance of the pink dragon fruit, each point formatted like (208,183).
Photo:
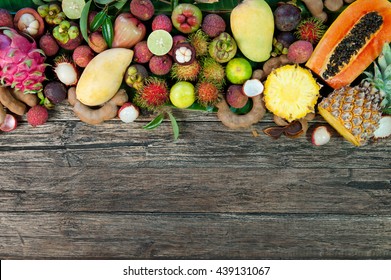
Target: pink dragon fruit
(21,62)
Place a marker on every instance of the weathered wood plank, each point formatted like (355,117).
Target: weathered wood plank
(201,144)
(217,190)
(106,236)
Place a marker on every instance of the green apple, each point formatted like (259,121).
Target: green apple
(182,94)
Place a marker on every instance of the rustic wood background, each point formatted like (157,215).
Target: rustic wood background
(116,191)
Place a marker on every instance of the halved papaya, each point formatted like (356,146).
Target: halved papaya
(352,42)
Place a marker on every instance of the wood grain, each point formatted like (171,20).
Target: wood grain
(116,191)
(195,236)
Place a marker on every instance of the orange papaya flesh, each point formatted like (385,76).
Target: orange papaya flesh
(352,42)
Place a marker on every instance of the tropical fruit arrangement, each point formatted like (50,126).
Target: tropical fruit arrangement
(112,59)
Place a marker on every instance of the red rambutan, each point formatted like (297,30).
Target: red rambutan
(207,93)
(311,30)
(153,94)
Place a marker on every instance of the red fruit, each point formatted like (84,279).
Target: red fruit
(6,19)
(96,42)
(142,9)
(48,44)
(162,22)
(235,97)
(160,65)
(9,123)
(186,18)
(300,51)
(153,94)
(82,55)
(37,115)
(207,93)
(141,52)
(213,25)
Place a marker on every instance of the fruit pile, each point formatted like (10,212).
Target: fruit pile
(111,58)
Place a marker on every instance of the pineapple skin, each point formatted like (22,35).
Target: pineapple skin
(354,112)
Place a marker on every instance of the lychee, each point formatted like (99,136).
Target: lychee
(213,25)
(37,115)
(142,9)
(235,97)
(186,72)
(96,42)
(6,19)
(49,45)
(208,94)
(153,94)
(82,55)
(160,65)
(300,51)
(163,22)
(141,52)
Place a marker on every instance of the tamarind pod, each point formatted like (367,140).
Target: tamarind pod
(274,63)
(29,99)
(2,113)
(96,116)
(333,5)
(234,121)
(316,9)
(9,101)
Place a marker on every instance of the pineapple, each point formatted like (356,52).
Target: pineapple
(355,112)
(291,92)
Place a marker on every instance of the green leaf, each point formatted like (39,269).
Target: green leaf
(155,122)
(119,4)
(38,2)
(84,20)
(104,2)
(174,124)
(108,31)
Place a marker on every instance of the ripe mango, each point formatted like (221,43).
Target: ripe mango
(103,76)
(252,25)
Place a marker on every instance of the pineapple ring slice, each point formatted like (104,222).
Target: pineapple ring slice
(291,92)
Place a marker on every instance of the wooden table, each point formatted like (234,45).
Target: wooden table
(116,191)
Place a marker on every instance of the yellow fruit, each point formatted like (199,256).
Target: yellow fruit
(103,76)
(291,92)
(252,25)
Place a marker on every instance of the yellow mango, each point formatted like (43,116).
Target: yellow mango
(103,76)
(252,25)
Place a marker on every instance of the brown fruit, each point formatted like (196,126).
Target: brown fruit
(141,52)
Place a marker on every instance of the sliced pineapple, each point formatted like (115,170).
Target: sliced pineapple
(291,92)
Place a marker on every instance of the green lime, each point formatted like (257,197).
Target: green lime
(159,42)
(238,70)
(73,8)
(182,94)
